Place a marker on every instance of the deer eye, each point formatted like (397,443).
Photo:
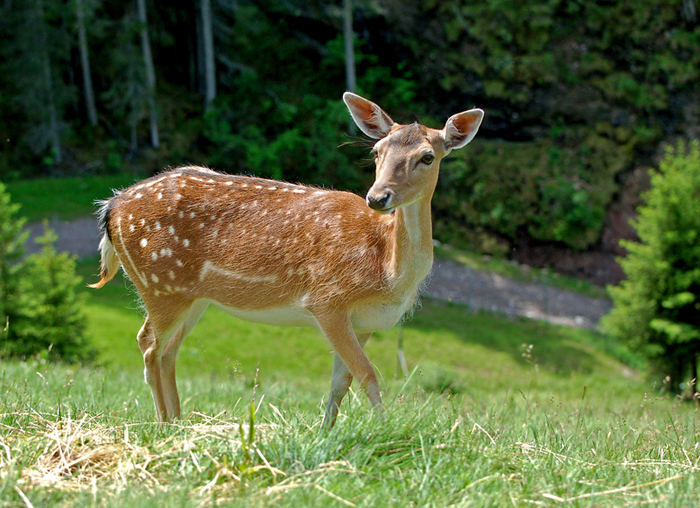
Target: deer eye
(374,153)
(428,159)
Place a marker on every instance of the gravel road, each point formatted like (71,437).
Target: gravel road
(448,281)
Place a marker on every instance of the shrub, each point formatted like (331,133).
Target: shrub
(656,310)
(12,239)
(50,318)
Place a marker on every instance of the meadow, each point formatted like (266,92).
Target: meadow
(495,411)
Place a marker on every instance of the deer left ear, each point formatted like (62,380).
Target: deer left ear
(461,128)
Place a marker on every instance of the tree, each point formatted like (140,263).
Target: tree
(12,239)
(38,47)
(150,72)
(208,52)
(81,14)
(51,320)
(657,308)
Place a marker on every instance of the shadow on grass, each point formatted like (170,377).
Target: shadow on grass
(558,349)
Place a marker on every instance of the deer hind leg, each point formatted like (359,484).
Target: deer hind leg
(340,383)
(169,357)
(151,345)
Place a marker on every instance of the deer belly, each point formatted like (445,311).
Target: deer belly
(378,317)
(292,315)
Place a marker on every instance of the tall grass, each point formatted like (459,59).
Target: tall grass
(86,437)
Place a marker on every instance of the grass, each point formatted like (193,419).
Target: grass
(497,412)
(64,198)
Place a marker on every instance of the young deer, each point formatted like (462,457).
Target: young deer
(277,253)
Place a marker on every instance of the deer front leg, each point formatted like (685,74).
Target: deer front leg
(337,328)
(340,383)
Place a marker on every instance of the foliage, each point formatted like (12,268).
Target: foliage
(656,308)
(577,93)
(12,240)
(551,192)
(50,320)
(40,309)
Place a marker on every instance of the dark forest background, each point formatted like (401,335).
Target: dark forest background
(580,99)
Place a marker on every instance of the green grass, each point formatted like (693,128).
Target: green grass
(497,412)
(64,198)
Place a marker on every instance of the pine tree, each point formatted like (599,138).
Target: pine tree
(51,318)
(657,308)
(12,239)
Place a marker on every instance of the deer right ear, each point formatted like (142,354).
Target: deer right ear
(369,117)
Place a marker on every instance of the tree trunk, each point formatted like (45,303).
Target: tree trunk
(209,62)
(349,38)
(150,72)
(85,64)
(53,127)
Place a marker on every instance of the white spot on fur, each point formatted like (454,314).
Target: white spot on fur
(131,216)
(144,242)
(181,214)
(131,228)
(210,267)
(186,242)
(154,255)
(138,195)
(178,263)
(157,225)
(192,214)
(299,191)
(154,277)
(171,274)
(258,187)
(229,183)
(143,221)
(160,195)
(171,229)
(178,196)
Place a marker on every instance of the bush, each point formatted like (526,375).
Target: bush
(656,310)
(40,311)
(50,318)
(12,239)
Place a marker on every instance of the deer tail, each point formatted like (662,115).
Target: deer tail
(109,260)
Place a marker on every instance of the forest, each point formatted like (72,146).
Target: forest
(581,97)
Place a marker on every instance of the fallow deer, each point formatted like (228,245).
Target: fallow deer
(277,253)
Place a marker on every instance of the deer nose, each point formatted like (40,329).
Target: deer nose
(380,202)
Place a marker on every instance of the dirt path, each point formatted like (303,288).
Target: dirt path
(448,281)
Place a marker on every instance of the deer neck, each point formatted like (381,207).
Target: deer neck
(412,256)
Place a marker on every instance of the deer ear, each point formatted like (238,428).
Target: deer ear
(461,128)
(368,116)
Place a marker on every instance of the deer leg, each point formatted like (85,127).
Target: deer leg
(340,383)
(337,328)
(151,346)
(169,357)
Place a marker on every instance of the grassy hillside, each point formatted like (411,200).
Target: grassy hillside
(497,412)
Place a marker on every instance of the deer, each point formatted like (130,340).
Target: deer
(278,253)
